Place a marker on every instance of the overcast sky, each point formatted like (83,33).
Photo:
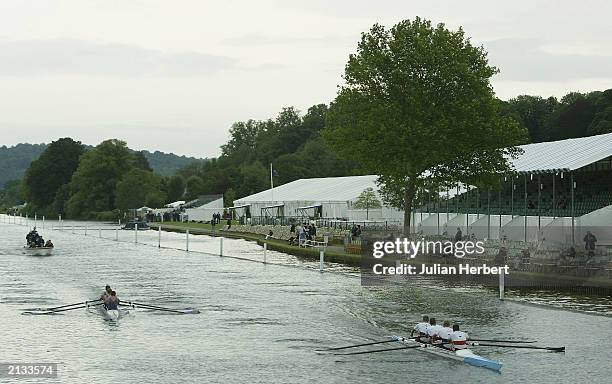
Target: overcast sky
(174,75)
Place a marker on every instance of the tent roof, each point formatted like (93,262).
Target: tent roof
(311,206)
(238,206)
(318,189)
(563,155)
(274,206)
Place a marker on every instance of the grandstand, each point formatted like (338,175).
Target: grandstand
(567,181)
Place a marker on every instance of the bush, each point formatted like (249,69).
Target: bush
(107,215)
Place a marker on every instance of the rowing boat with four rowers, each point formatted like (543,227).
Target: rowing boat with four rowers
(444,341)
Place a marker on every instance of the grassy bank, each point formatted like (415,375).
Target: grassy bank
(521,278)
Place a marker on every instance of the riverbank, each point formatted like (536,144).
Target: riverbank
(335,254)
(331,253)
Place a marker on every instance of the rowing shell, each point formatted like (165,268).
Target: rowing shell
(464,355)
(111,314)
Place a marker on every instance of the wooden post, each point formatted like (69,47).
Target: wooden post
(187,240)
(321,260)
(135,233)
(265,252)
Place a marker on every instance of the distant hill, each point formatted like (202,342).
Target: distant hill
(166,164)
(16,159)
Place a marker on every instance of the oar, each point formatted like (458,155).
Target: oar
(505,341)
(379,350)
(63,306)
(186,311)
(358,345)
(57,311)
(553,349)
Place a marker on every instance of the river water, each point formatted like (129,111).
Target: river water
(259,323)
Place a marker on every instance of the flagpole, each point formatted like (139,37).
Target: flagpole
(271,183)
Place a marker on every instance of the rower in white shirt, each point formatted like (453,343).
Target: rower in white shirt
(445,332)
(458,339)
(421,330)
(433,330)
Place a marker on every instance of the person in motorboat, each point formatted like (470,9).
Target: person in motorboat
(49,244)
(31,238)
(112,301)
(458,339)
(421,330)
(40,242)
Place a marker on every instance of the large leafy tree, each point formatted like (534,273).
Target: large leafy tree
(93,186)
(52,170)
(137,188)
(140,161)
(534,113)
(417,98)
(175,188)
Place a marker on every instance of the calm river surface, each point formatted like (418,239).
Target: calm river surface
(259,323)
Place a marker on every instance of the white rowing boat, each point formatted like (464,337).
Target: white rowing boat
(38,251)
(463,355)
(111,314)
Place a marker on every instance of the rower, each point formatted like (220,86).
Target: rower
(458,339)
(421,330)
(445,332)
(433,330)
(106,293)
(112,302)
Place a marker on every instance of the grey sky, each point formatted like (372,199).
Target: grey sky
(174,75)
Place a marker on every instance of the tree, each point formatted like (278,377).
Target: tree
(195,187)
(228,197)
(50,171)
(242,135)
(175,188)
(135,187)
(534,113)
(140,161)
(366,200)
(11,195)
(418,99)
(93,185)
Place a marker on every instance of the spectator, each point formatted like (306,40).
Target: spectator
(458,235)
(589,243)
(301,235)
(269,235)
(313,231)
(530,205)
(358,232)
(307,232)
(354,231)
(229,223)
(500,258)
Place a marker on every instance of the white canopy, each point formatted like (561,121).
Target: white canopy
(563,155)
